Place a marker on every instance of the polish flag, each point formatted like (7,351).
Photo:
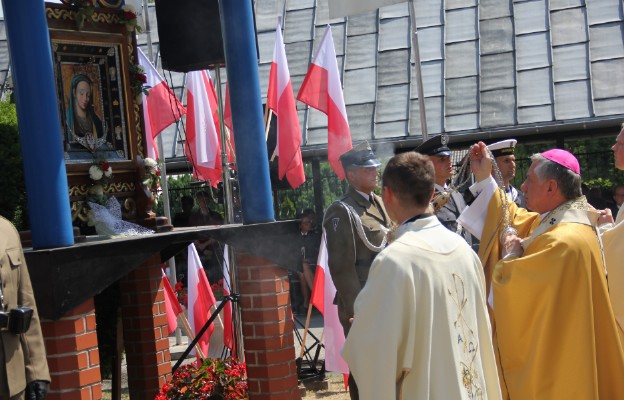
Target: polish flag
(161,108)
(281,101)
(227,120)
(203,145)
(228,326)
(201,300)
(172,306)
(321,89)
(323,293)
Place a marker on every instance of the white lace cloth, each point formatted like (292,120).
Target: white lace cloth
(107,220)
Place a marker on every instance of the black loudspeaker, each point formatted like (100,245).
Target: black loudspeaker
(190,34)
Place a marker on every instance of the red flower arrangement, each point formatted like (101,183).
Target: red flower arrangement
(138,80)
(129,17)
(181,294)
(214,379)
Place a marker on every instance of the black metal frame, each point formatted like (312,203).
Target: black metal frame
(233,298)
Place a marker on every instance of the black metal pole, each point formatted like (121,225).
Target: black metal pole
(233,298)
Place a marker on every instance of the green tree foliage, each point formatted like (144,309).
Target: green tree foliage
(594,155)
(13,193)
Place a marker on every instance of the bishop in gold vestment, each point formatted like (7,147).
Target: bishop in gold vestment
(555,331)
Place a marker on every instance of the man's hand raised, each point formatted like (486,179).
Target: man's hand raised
(480,161)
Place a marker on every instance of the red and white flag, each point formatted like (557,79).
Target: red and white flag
(281,100)
(321,89)
(161,108)
(203,144)
(323,293)
(227,120)
(228,326)
(172,305)
(201,300)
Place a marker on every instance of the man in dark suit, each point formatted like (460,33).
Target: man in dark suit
(24,373)
(448,203)
(355,228)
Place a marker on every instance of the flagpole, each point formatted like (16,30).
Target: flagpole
(163,170)
(229,209)
(225,162)
(419,82)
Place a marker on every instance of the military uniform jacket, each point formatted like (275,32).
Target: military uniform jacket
(348,257)
(449,213)
(22,357)
(516,196)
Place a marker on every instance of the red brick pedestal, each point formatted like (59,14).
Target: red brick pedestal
(145,330)
(268,334)
(73,356)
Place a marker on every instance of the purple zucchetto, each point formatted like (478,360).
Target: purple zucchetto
(563,158)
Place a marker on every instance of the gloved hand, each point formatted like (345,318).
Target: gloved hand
(37,390)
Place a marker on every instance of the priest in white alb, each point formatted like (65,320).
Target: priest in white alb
(613,244)
(421,328)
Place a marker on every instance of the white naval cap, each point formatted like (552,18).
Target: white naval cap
(503,148)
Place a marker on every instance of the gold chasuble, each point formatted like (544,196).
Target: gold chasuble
(556,335)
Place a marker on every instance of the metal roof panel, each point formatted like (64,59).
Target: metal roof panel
(497,71)
(392,103)
(572,100)
(498,108)
(394,67)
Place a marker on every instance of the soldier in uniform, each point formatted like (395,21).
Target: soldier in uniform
(355,228)
(448,202)
(24,373)
(503,153)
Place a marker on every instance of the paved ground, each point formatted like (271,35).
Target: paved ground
(311,359)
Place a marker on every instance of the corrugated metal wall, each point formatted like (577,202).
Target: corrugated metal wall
(487,66)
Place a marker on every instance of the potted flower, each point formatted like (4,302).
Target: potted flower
(214,379)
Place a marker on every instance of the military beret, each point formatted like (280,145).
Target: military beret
(360,156)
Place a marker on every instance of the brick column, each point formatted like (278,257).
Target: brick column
(145,330)
(73,356)
(268,334)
